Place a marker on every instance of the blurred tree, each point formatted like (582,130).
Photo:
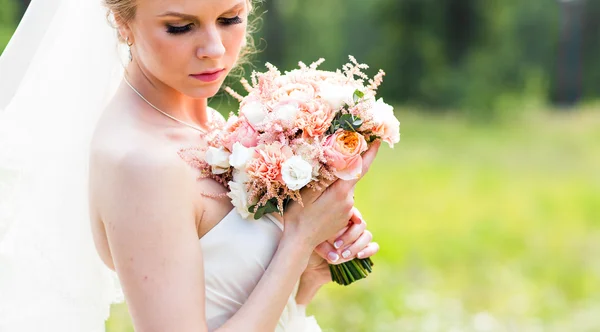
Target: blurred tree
(570,46)
(24,5)
(275,33)
(590,55)
(8,21)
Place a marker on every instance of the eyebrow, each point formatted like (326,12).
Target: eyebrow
(195,18)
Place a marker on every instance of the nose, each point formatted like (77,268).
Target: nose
(211,45)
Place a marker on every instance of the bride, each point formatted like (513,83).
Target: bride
(185,261)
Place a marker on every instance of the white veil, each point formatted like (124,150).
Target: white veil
(58,71)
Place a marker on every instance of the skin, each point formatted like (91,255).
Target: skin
(152,241)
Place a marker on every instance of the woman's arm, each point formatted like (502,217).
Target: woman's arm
(150,226)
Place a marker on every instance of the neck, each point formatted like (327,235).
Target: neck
(191,110)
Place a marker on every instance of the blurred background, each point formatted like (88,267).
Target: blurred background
(488,210)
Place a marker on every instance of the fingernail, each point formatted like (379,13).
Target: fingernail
(346,254)
(360,254)
(338,244)
(333,256)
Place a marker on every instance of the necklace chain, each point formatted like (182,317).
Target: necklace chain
(164,113)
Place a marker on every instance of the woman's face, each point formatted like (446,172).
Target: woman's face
(189,45)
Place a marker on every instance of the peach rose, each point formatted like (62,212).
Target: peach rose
(343,151)
(268,161)
(239,130)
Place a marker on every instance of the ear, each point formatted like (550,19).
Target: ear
(124,29)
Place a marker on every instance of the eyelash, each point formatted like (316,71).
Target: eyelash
(177,30)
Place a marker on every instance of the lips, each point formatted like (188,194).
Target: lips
(209,75)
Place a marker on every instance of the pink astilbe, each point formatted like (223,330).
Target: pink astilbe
(195,158)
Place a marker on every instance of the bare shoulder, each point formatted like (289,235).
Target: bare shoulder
(136,165)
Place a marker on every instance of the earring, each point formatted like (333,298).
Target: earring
(129,48)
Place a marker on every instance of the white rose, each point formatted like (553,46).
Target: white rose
(239,198)
(255,112)
(218,159)
(240,176)
(286,113)
(296,172)
(337,95)
(240,155)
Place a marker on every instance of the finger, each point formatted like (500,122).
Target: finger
(359,245)
(343,188)
(338,234)
(327,252)
(350,236)
(310,194)
(369,156)
(357,217)
(371,249)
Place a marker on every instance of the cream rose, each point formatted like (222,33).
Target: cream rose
(240,176)
(296,172)
(386,125)
(336,95)
(240,156)
(239,198)
(218,159)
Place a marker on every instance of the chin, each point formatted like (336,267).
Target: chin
(206,91)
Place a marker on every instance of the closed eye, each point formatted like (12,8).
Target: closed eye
(230,21)
(176,30)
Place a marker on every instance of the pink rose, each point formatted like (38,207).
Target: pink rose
(268,161)
(295,91)
(343,151)
(239,130)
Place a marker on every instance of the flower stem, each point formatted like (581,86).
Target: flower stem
(349,272)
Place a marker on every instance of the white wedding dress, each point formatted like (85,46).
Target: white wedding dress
(236,254)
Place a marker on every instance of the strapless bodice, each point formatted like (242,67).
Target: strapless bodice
(236,254)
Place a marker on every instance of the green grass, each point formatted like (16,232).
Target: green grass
(482,228)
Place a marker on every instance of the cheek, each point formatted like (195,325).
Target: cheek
(161,54)
(232,41)
(169,54)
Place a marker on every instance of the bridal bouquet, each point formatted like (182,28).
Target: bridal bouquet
(295,130)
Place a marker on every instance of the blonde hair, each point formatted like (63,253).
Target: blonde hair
(123,12)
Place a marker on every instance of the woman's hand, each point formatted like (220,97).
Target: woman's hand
(354,241)
(317,271)
(325,213)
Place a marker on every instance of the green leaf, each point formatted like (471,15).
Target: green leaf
(350,122)
(252,208)
(357,95)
